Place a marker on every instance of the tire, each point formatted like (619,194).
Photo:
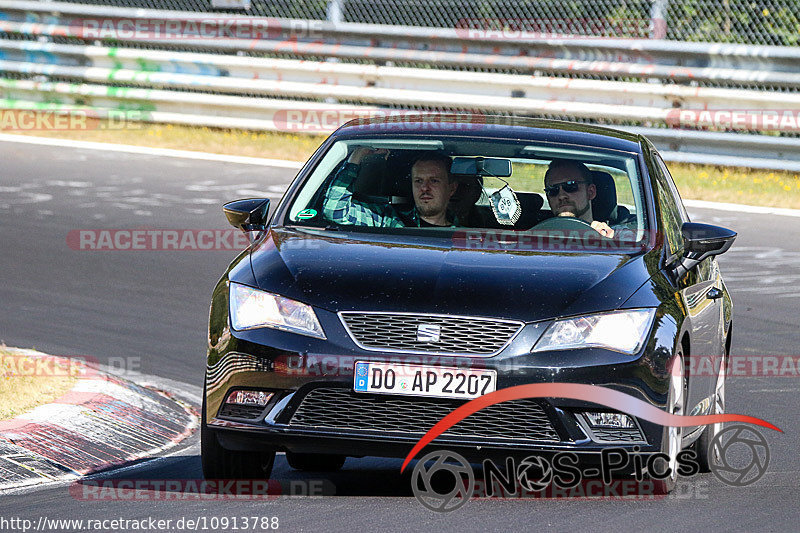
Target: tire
(671,441)
(315,462)
(702,446)
(219,463)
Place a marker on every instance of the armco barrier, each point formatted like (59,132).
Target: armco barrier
(56,56)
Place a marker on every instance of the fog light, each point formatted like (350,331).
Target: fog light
(249,397)
(609,420)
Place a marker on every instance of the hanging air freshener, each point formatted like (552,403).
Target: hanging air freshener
(505,206)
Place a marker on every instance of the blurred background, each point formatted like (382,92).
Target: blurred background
(714,84)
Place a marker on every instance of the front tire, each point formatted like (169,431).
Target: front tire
(703,445)
(219,463)
(671,442)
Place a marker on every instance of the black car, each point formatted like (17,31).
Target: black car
(350,331)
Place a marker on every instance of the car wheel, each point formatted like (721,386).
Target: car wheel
(703,445)
(219,463)
(315,462)
(671,442)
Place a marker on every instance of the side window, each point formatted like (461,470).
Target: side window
(673,189)
(673,213)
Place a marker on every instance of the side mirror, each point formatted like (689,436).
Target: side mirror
(702,241)
(248,215)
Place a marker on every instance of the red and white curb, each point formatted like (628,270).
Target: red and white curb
(102,422)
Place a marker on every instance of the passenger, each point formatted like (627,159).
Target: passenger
(431,183)
(570,191)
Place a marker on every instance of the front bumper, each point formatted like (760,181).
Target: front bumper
(291,377)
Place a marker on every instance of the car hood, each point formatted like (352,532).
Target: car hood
(343,271)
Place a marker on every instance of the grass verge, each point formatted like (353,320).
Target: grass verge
(28,380)
(700,182)
(272,145)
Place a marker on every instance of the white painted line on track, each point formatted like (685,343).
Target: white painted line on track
(741,208)
(280,163)
(144,150)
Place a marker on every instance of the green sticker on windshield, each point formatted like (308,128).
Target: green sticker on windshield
(307,213)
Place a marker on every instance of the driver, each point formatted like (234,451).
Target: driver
(570,191)
(431,183)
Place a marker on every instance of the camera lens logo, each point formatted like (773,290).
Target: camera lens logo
(534,473)
(442,481)
(740,456)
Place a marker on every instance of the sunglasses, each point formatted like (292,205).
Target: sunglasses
(568,186)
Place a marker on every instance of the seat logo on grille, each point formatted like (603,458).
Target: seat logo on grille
(428,332)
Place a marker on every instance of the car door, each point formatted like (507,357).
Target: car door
(696,290)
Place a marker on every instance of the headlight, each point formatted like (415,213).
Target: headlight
(252,308)
(621,331)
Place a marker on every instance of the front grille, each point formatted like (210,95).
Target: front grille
(342,409)
(616,435)
(249,412)
(453,334)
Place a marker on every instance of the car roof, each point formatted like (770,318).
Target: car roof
(493,126)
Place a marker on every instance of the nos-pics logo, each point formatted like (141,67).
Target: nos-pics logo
(444,481)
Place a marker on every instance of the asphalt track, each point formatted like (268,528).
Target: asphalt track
(147,310)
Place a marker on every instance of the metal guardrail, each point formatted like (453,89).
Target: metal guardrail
(725,149)
(772,22)
(371,42)
(217,87)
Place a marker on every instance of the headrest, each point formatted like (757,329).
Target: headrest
(372,177)
(606,200)
(379,182)
(531,203)
(469,191)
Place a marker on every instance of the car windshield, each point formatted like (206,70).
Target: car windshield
(479,188)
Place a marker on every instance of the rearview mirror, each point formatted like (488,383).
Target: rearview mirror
(249,215)
(702,241)
(481,166)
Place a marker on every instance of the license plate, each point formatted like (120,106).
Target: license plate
(419,380)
